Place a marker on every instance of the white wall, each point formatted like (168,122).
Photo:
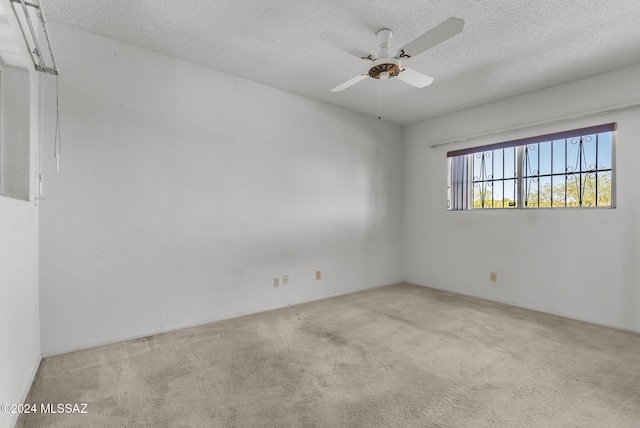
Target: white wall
(19,311)
(581,264)
(184,191)
(19,318)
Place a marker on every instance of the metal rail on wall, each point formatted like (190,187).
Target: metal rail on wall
(30,19)
(26,12)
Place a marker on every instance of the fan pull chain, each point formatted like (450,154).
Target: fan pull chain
(379,99)
(40,151)
(57,150)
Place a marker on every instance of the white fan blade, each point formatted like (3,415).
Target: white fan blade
(350,82)
(431,38)
(344,45)
(414,78)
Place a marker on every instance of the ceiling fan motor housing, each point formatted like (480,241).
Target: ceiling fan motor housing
(385,68)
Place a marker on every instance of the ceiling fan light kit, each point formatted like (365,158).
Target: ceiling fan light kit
(384,69)
(386,66)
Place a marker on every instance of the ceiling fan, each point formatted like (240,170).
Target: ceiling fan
(386,66)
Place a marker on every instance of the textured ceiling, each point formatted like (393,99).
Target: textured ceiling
(508,47)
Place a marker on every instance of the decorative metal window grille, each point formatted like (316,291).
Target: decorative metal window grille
(495,180)
(566,169)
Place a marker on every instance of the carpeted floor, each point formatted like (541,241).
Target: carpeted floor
(397,356)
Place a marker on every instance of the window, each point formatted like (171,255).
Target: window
(562,170)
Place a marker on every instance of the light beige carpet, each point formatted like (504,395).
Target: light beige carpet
(397,356)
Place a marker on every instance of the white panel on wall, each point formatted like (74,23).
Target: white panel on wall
(578,263)
(14,133)
(184,191)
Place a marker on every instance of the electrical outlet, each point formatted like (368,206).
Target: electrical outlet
(276,282)
(285,279)
(318,275)
(494,276)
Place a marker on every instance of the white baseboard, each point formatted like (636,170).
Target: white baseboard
(25,392)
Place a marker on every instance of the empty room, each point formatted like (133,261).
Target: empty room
(242,213)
